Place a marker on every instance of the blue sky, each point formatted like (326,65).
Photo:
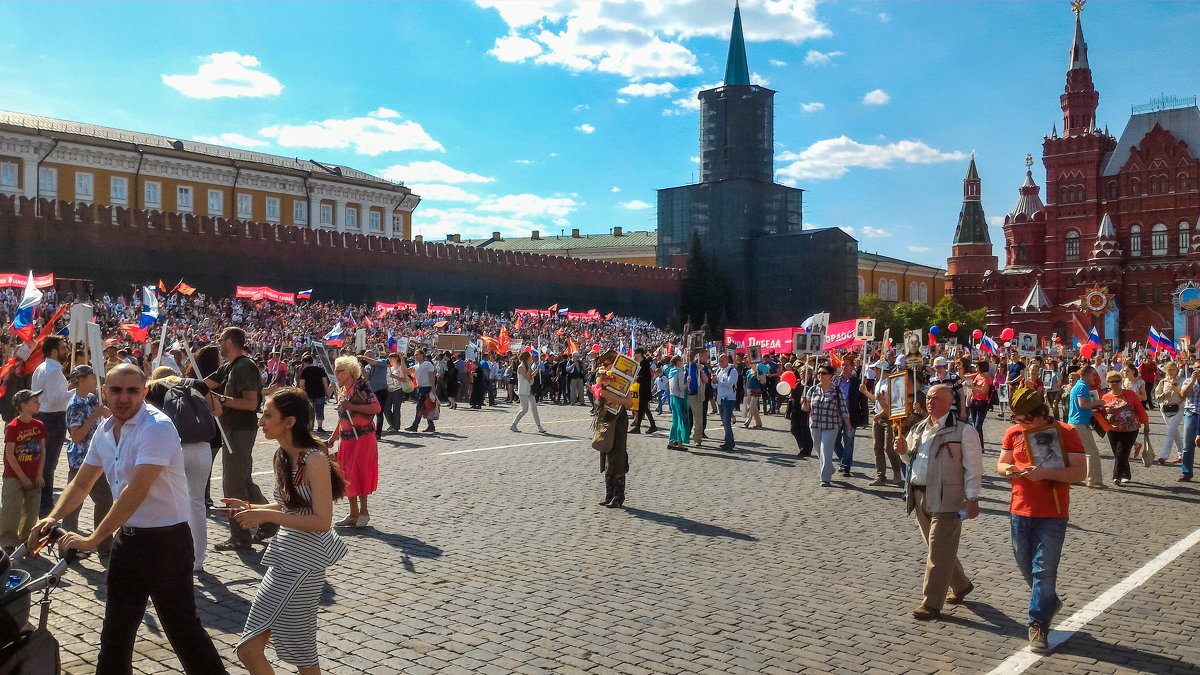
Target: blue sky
(553,115)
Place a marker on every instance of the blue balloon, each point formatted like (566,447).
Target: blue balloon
(933,330)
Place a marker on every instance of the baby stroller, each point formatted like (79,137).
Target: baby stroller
(25,649)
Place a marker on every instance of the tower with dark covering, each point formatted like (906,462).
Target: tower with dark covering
(751,228)
(971,255)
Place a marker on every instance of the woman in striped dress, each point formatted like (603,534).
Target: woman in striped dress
(306,484)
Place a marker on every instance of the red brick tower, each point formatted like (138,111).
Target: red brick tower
(971,256)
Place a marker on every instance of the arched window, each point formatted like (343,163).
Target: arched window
(1063,195)
(924,293)
(1022,255)
(1113,193)
(1185,238)
(893,291)
(912,291)
(1135,241)
(1135,187)
(862,286)
(1181,182)
(1073,245)
(883,294)
(1158,240)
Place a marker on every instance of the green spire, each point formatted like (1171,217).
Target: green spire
(972,174)
(737,71)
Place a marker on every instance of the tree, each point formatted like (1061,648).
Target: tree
(874,307)
(948,311)
(911,316)
(704,291)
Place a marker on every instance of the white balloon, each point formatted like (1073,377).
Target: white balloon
(783,388)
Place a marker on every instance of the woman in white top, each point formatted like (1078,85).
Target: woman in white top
(1169,395)
(525,375)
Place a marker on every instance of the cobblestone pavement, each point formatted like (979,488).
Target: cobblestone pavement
(500,561)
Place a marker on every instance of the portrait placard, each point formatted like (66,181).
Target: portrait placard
(898,401)
(1045,447)
(754,353)
(1027,345)
(864,329)
(799,342)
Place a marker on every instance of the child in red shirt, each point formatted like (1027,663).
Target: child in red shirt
(24,446)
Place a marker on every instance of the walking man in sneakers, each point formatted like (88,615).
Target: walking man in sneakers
(1041,493)
(946,460)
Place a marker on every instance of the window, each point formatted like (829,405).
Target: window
(1135,241)
(883,289)
(216,203)
(327,214)
(374,221)
(862,286)
(272,209)
(1158,293)
(119,190)
(1185,239)
(1142,295)
(299,212)
(1158,240)
(1113,192)
(48,182)
(912,291)
(397,224)
(1023,255)
(1182,181)
(153,194)
(351,217)
(1072,245)
(893,291)
(1135,187)
(83,185)
(924,294)
(245,205)
(183,199)
(8,175)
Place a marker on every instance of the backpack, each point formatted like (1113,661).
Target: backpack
(189,410)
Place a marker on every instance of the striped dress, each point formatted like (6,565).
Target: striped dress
(287,599)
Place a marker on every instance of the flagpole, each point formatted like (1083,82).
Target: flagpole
(187,348)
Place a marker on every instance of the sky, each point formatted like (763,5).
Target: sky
(512,116)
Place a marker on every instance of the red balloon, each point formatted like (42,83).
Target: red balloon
(977,334)
(1006,334)
(953,327)
(596,348)
(1086,350)
(790,378)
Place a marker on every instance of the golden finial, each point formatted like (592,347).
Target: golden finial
(1077,7)
(1028,162)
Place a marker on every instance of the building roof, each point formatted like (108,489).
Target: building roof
(65,127)
(563,243)
(1183,123)
(972,225)
(737,69)
(1036,301)
(1079,58)
(1029,204)
(875,257)
(972,173)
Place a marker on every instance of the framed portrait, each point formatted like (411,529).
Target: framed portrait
(1047,378)
(695,339)
(799,342)
(897,387)
(1002,393)
(754,353)
(864,329)
(912,342)
(1108,345)
(816,342)
(1045,447)
(1027,346)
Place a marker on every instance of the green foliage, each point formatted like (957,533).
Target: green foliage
(704,292)
(874,307)
(911,316)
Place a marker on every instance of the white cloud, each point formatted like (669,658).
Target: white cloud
(434,224)
(513,48)
(636,205)
(371,135)
(869,232)
(225,75)
(435,171)
(616,189)
(525,161)
(833,157)
(756,78)
(622,100)
(581,107)
(231,140)
(777,63)
(528,205)
(638,40)
(649,89)
(919,249)
(884,17)
(585,128)
(691,102)
(443,193)
(384,113)
(816,58)
(876,97)
(815,106)
(996,221)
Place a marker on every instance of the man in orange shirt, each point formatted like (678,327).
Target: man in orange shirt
(1041,492)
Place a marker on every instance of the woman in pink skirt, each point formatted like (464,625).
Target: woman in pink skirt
(358,453)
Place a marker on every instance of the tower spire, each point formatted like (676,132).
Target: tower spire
(1079,98)
(972,225)
(737,70)
(1078,46)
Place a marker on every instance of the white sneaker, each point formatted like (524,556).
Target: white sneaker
(543,430)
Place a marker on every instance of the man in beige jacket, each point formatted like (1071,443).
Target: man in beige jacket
(945,460)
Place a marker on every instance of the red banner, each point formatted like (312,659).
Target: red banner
(443,309)
(841,334)
(395,306)
(532,312)
(778,340)
(265,293)
(19,280)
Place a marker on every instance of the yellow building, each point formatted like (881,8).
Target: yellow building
(896,280)
(46,158)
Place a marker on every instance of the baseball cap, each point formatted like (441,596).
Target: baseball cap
(940,362)
(882,365)
(25,395)
(79,372)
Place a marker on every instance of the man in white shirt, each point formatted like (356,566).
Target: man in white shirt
(138,449)
(167,359)
(945,459)
(56,395)
(727,379)
(424,374)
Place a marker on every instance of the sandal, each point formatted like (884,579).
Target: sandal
(347,521)
(231,545)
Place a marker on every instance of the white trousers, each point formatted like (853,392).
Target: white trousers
(197,464)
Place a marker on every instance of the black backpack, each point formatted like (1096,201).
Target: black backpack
(189,410)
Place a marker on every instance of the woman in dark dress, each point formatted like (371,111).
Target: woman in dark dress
(451,379)
(800,430)
(478,384)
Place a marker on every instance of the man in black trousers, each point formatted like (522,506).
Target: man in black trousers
(645,379)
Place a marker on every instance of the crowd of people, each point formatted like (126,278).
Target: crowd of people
(144,451)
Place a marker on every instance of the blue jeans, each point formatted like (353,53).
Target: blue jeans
(1037,545)
(56,435)
(979,411)
(726,406)
(845,447)
(422,394)
(1190,418)
(823,442)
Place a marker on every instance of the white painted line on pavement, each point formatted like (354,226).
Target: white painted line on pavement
(1020,661)
(256,473)
(517,445)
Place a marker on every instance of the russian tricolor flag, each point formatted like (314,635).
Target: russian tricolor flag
(149,307)
(1094,338)
(23,319)
(988,346)
(563,311)
(304,295)
(334,337)
(391,344)
(1159,342)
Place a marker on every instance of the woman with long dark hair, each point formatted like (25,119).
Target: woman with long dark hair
(307,482)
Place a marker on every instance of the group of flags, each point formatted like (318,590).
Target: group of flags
(179,287)
(1159,342)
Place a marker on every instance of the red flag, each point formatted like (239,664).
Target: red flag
(1077,329)
(502,341)
(571,346)
(609,316)
(135,333)
(932,340)
(553,308)
(517,325)
(161,287)
(185,289)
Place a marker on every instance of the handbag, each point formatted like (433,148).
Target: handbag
(1170,408)
(605,433)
